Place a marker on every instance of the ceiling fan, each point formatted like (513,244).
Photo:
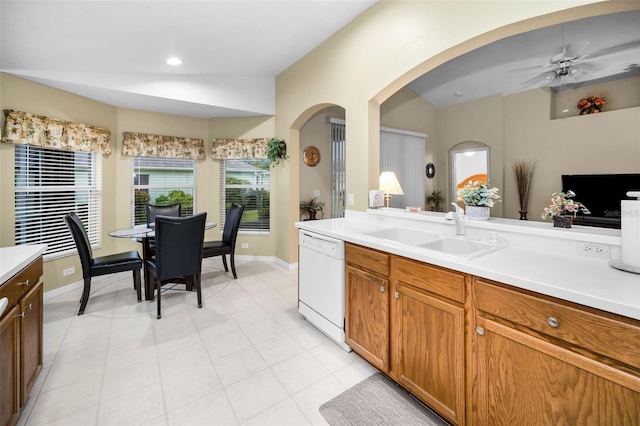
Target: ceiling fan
(573,63)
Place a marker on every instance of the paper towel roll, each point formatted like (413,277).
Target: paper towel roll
(630,232)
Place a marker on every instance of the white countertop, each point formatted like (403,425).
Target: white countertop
(13,259)
(585,280)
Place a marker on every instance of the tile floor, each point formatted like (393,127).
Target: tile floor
(247,357)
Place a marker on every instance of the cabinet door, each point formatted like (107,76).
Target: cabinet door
(524,380)
(30,339)
(9,368)
(367,316)
(430,350)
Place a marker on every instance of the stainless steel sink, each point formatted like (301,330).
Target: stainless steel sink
(462,247)
(403,235)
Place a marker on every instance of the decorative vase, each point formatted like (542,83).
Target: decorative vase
(477,212)
(523,215)
(312,214)
(563,221)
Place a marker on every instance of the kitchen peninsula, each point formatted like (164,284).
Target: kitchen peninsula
(534,332)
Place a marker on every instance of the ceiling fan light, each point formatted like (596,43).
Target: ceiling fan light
(174,61)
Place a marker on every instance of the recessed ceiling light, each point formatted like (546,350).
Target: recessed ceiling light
(457,94)
(174,61)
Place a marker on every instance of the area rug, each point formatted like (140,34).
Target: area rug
(378,401)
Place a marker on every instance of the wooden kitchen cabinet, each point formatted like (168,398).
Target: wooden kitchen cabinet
(21,335)
(367,304)
(542,361)
(428,349)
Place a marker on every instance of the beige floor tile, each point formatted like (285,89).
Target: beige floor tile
(299,372)
(64,373)
(225,344)
(182,359)
(309,336)
(213,409)
(63,402)
(332,356)
(126,379)
(189,385)
(133,408)
(263,330)
(239,365)
(310,399)
(284,413)
(87,417)
(255,394)
(279,348)
(355,372)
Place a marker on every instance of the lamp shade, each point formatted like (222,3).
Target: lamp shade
(389,184)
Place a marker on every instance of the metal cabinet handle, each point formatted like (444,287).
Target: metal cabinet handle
(396,295)
(480,331)
(30,306)
(24,283)
(381,289)
(552,322)
(22,315)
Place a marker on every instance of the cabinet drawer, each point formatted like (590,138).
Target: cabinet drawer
(368,259)
(606,335)
(22,282)
(443,282)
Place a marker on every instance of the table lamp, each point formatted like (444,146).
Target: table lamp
(390,185)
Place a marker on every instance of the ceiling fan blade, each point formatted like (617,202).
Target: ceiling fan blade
(615,50)
(527,68)
(575,49)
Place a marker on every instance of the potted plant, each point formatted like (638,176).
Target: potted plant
(311,207)
(276,151)
(563,209)
(436,198)
(478,198)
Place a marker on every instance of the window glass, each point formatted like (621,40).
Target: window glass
(49,183)
(247,182)
(162,181)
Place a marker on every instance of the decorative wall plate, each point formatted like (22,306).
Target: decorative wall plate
(311,156)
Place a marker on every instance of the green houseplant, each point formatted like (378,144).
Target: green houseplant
(276,151)
(478,198)
(311,207)
(436,198)
(563,209)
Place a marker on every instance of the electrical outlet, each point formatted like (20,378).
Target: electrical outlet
(244,245)
(350,199)
(68,271)
(316,193)
(594,250)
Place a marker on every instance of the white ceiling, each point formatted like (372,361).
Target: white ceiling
(115,51)
(490,70)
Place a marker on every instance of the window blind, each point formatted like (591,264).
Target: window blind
(49,183)
(403,153)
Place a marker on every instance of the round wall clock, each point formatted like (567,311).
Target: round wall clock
(311,156)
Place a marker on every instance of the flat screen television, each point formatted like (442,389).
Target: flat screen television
(601,194)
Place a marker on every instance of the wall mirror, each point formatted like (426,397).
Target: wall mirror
(518,96)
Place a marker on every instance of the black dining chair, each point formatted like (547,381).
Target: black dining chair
(152,211)
(228,243)
(105,265)
(178,256)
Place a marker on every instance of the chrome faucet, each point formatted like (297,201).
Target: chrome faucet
(458,217)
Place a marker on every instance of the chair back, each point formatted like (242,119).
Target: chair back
(179,245)
(231,224)
(152,211)
(83,244)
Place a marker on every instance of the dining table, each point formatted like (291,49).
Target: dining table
(144,233)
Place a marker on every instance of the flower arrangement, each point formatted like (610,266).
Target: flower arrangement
(591,104)
(562,204)
(477,193)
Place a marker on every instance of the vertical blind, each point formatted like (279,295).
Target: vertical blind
(49,183)
(338,168)
(403,154)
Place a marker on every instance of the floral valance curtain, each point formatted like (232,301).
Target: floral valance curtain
(146,145)
(23,128)
(231,149)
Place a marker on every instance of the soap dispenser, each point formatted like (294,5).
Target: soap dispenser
(630,235)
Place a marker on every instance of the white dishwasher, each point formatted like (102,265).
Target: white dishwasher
(321,284)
